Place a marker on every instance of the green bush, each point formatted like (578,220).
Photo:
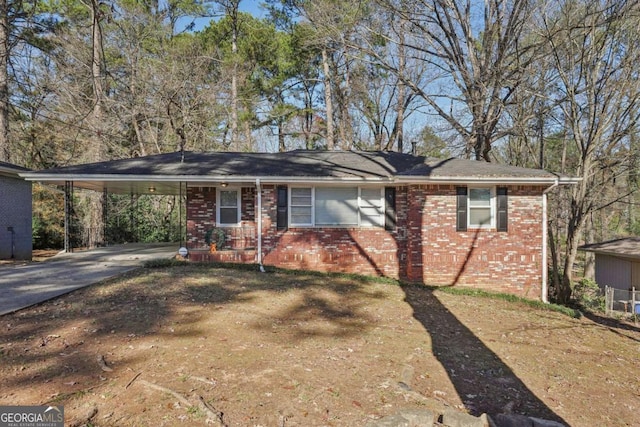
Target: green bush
(588,295)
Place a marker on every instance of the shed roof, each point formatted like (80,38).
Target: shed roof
(628,247)
(164,170)
(9,169)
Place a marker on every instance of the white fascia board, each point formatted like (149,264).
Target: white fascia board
(477,180)
(44,177)
(197,178)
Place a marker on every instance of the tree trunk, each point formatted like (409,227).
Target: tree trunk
(235,140)
(575,226)
(327,99)
(5,152)
(94,224)
(589,257)
(399,127)
(281,146)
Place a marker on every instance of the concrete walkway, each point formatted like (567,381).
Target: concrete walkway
(25,285)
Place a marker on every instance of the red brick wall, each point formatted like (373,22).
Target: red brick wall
(425,247)
(201,216)
(502,261)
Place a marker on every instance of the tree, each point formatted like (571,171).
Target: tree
(595,54)
(480,60)
(4,81)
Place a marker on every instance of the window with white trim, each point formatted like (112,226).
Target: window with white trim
(301,206)
(481,207)
(228,206)
(371,207)
(336,207)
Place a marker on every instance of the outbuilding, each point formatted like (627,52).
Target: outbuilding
(617,262)
(15,213)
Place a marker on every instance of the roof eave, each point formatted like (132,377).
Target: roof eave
(610,253)
(403,180)
(485,180)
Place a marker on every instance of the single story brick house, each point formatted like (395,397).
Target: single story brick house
(15,213)
(440,222)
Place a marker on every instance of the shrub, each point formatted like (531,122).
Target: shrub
(588,295)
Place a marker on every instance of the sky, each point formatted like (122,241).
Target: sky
(252,7)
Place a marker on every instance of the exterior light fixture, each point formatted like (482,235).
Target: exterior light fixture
(223,185)
(152,189)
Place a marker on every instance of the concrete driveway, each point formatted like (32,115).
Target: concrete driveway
(25,285)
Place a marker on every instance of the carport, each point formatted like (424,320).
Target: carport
(24,285)
(165,174)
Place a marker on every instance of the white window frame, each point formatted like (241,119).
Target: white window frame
(238,192)
(492,207)
(380,206)
(311,207)
(359,201)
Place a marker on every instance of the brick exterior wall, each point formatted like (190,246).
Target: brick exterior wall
(500,261)
(424,248)
(201,217)
(15,212)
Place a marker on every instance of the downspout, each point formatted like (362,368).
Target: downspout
(259,237)
(545,242)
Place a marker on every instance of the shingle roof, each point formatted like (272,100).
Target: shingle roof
(298,163)
(627,247)
(9,169)
(164,172)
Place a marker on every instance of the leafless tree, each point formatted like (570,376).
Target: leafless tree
(480,53)
(4,81)
(595,52)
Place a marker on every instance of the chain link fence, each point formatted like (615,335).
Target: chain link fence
(620,301)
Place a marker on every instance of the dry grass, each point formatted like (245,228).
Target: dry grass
(308,350)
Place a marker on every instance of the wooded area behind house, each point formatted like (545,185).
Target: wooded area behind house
(534,83)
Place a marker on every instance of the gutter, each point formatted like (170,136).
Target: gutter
(259,231)
(545,241)
(235,179)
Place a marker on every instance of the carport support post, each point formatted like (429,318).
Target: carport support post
(68,210)
(105,215)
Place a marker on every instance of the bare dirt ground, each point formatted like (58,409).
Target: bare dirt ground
(185,345)
(38,256)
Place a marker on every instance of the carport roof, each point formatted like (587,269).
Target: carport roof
(165,172)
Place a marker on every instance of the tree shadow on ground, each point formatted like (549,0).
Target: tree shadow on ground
(482,380)
(62,338)
(614,325)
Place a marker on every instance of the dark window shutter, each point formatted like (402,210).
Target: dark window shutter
(390,208)
(283,208)
(503,216)
(461,209)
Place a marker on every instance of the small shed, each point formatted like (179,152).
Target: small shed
(16,240)
(617,262)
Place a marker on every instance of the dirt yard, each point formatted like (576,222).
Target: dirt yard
(185,345)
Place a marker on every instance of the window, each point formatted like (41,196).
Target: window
(371,207)
(301,204)
(482,207)
(228,207)
(337,207)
